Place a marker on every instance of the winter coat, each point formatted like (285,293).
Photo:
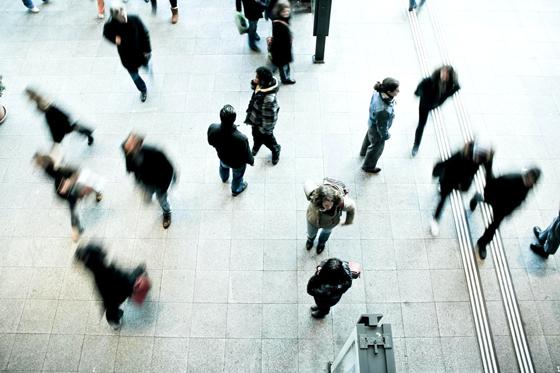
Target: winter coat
(328,294)
(331,218)
(263,108)
(505,193)
(231,145)
(430,94)
(135,41)
(59,123)
(151,168)
(281,48)
(253,9)
(381,115)
(457,172)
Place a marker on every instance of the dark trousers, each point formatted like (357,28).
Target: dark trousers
(137,79)
(442,198)
(252,33)
(491,230)
(284,72)
(265,139)
(173,4)
(82,130)
(423,112)
(113,313)
(372,148)
(237,180)
(323,308)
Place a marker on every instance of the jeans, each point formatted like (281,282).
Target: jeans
(138,81)
(161,196)
(237,180)
(265,139)
(312,233)
(372,148)
(412,3)
(548,238)
(252,34)
(29,3)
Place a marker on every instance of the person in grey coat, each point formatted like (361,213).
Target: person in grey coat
(381,114)
(548,240)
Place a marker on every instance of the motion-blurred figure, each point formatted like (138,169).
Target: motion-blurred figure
(281,42)
(113,284)
(253,10)
(548,240)
(31,6)
(504,194)
(412,5)
(457,172)
(153,171)
(174,9)
(71,185)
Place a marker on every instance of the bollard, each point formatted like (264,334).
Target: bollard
(321,22)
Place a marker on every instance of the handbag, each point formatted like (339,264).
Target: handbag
(241,22)
(140,290)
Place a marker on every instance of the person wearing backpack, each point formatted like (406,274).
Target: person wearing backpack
(326,204)
(280,45)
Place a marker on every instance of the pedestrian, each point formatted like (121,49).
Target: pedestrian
(457,172)
(281,41)
(233,149)
(547,240)
(253,10)
(113,284)
(326,204)
(131,37)
(504,194)
(412,5)
(174,9)
(153,171)
(433,91)
(31,6)
(71,185)
(262,112)
(381,114)
(332,278)
(60,124)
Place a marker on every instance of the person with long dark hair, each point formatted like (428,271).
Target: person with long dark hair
(281,42)
(332,278)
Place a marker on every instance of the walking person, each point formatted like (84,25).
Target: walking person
(381,114)
(71,185)
(412,5)
(457,172)
(31,6)
(113,284)
(326,204)
(153,171)
(281,42)
(548,240)
(233,149)
(174,9)
(253,10)
(262,112)
(433,91)
(504,194)
(332,278)
(131,37)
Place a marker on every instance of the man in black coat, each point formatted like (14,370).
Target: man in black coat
(232,147)
(253,10)
(153,171)
(457,172)
(504,194)
(133,44)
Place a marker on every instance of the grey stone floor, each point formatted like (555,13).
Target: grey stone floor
(230,274)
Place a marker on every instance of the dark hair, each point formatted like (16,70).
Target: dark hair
(325,192)
(228,115)
(265,76)
(453,77)
(534,173)
(388,85)
(332,272)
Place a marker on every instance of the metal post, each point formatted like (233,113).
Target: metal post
(321,23)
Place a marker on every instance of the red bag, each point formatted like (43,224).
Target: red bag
(140,290)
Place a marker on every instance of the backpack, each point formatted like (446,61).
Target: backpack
(337,184)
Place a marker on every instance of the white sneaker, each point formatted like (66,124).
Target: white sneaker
(434,228)
(101,16)
(34,10)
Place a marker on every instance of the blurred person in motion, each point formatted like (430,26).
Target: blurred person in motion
(71,185)
(281,42)
(253,10)
(31,6)
(548,240)
(505,194)
(381,114)
(262,112)
(233,149)
(60,123)
(326,204)
(457,172)
(113,284)
(174,9)
(153,171)
(131,37)
(412,5)
(332,278)
(433,91)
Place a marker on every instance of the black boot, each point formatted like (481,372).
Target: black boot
(481,250)
(539,250)
(309,244)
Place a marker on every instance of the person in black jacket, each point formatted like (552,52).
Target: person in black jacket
(232,147)
(281,45)
(133,44)
(457,172)
(332,279)
(253,10)
(113,284)
(504,194)
(152,170)
(433,91)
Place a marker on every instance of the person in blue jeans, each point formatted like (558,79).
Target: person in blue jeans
(253,11)
(29,5)
(412,5)
(233,149)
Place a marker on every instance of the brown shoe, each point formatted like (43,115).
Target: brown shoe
(174,15)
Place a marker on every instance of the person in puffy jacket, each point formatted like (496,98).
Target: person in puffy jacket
(332,279)
(548,240)
(381,114)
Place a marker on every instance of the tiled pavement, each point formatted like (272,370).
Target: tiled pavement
(230,274)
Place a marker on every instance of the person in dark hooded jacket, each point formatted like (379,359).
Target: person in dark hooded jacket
(281,46)
(253,10)
(133,43)
(113,284)
(332,279)
(262,112)
(232,147)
